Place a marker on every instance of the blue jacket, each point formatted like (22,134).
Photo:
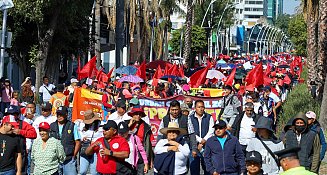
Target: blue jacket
(317,129)
(228,160)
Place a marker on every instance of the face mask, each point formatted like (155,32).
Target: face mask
(300,129)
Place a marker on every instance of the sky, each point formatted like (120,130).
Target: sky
(290,6)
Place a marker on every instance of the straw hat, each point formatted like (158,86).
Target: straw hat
(90,117)
(173,126)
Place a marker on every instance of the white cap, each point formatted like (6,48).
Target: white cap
(74,80)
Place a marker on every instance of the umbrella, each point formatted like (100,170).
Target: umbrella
(131,78)
(172,77)
(128,70)
(221,62)
(284,66)
(156,63)
(215,74)
(160,81)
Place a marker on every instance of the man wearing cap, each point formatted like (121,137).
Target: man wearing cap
(67,132)
(231,106)
(171,148)
(46,116)
(59,99)
(243,125)
(288,159)
(120,115)
(253,163)
(223,153)
(9,148)
(308,140)
(111,150)
(23,130)
(203,126)
(175,115)
(265,143)
(46,90)
(314,125)
(185,109)
(142,129)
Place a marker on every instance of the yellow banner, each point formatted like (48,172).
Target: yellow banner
(209,92)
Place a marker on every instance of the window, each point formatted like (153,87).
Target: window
(254,9)
(253,2)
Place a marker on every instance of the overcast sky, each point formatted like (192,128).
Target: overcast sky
(290,6)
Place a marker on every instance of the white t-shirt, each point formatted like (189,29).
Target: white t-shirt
(46,95)
(274,97)
(246,132)
(50,119)
(115,117)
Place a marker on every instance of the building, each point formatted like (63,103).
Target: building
(248,12)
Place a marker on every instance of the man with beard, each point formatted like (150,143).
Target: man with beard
(301,136)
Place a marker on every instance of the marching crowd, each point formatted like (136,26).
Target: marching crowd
(242,140)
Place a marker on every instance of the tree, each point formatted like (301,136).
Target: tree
(54,31)
(199,40)
(282,22)
(322,61)
(298,34)
(188,32)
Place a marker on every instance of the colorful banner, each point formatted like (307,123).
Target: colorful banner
(155,109)
(208,92)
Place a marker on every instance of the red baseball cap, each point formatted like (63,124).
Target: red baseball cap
(10,119)
(44,125)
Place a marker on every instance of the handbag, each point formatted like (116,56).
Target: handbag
(84,146)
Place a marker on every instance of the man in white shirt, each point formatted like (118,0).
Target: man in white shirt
(243,126)
(45,117)
(46,90)
(203,127)
(120,115)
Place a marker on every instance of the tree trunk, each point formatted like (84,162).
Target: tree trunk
(188,37)
(312,49)
(322,46)
(323,108)
(45,39)
(97,33)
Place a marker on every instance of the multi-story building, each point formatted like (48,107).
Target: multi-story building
(248,12)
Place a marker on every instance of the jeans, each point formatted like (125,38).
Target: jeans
(195,164)
(29,162)
(70,113)
(9,172)
(68,167)
(86,162)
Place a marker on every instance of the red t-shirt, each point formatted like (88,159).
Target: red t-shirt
(117,144)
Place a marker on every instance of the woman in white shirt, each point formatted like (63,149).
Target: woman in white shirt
(90,133)
(175,144)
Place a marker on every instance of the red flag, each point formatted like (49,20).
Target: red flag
(258,76)
(141,71)
(209,64)
(87,70)
(173,70)
(155,82)
(166,70)
(230,79)
(249,79)
(198,77)
(267,81)
(181,71)
(110,72)
(158,73)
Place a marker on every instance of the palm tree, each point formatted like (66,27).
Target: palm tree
(322,61)
(188,31)
(310,11)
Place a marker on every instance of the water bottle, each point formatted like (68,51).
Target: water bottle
(103,156)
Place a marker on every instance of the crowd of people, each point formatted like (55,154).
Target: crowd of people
(241,140)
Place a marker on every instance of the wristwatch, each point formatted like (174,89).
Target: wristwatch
(111,153)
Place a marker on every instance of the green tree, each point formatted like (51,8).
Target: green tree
(297,30)
(199,40)
(282,22)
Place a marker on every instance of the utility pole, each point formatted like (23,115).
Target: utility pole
(120,36)
(3,41)
(97,33)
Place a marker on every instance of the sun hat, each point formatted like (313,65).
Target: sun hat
(137,110)
(264,123)
(44,125)
(184,107)
(173,126)
(90,117)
